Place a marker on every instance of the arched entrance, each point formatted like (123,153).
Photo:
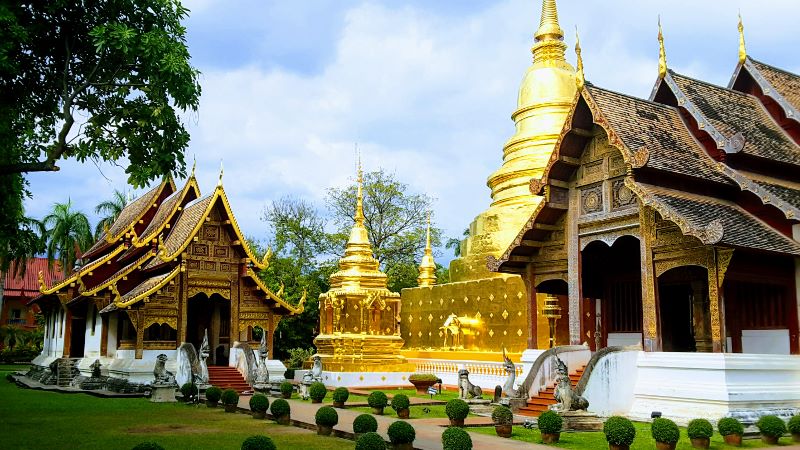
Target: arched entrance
(559,288)
(212,314)
(611,284)
(77,338)
(684,313)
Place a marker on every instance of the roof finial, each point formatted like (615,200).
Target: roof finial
(221,171)
(194,165)
(742,49)
(427,267)
(360,195)
(428,233)
(549,45)
(662,54)
(579,76)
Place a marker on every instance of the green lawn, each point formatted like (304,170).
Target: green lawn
(643,440)
(38,420)
(415,412)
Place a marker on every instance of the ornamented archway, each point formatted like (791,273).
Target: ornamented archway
(213,314)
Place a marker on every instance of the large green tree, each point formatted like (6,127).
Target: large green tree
(100,80)
(68,234)
(110,210)
(395,217)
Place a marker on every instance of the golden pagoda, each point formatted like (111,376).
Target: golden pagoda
(497,304)
(427,268)
(358,315)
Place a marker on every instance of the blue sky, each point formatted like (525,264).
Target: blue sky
(426,89)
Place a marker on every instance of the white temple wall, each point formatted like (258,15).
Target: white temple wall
(91,346)
(611,385)
(125,365)
(112,341)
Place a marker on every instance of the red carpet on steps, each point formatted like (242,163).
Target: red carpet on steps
(227,378)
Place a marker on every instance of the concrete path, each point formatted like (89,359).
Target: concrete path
(429,431)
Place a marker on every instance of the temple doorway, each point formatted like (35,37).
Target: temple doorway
(78,331)
(611,283)
(559,289)
(212,314)
(685,320)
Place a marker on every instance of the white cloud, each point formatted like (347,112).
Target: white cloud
(426,95)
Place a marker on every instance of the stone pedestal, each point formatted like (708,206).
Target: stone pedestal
(163,394)
(581,421)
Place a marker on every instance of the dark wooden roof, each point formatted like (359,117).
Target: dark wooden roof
(786,84)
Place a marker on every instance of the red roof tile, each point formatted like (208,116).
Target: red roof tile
(28,284)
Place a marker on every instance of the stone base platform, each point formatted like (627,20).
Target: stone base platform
(581,421)
(163,394)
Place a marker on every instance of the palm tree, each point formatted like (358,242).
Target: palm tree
(455,243)
(111,208)
(68,234)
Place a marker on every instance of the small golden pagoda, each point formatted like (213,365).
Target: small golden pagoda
(359,314)
(427,267)
(496,304)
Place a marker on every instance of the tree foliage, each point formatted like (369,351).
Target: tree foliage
(110,209)
(68,234)
(395,218)
(91,80)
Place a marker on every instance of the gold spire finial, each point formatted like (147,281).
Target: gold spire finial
(662,54)
(548,41)
(221,171)
(427,267)
(359,216)
(580,79)
(194,166)
(742,49)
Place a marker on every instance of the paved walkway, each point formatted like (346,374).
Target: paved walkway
(429,431)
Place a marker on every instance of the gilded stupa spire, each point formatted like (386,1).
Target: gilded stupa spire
(662,54)
(427,268)
(549,38)
(742,48)
(580,79)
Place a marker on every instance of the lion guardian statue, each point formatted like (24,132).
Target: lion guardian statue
(466,389)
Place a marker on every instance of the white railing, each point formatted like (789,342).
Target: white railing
(485,374)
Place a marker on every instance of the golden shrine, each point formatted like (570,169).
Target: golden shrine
(493,307)
(358,315)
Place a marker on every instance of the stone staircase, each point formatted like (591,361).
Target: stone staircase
(541,402)
(227,378)
(66,371)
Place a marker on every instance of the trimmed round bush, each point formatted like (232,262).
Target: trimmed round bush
(280,407)
(365,423)
(317,391)
(665,430)
(148,446)
(619,430)
(401,432)
(213,394)
(340,394)
(400,401)
(377,399)
(258,442)
(456,409)
(326,417)
(454,438)
(287,388)
(794,425)
(730,425)
(771,426)
(550,422)
(188,390)
(259,403)
(230,397)
(502,416)
(370,441)
(699,429)
(423,377)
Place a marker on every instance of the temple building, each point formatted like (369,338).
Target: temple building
(172,267)
(358,321)
(493,307)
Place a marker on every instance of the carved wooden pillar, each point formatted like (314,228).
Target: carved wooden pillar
(573,268)
(650,336)
(103,335)
(718,261)
(67,331)
(139,323)
(273,320)
(795,342)
(530,281)
(235,310)
(183,305)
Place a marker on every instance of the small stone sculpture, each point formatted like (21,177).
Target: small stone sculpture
(315,374)
(466,389)
(567,398)
(262,374)
(205,350)
(511,371)
(96,368)
(163,377)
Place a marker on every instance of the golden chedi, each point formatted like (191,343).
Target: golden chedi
(497,304)
(358,315)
